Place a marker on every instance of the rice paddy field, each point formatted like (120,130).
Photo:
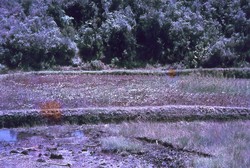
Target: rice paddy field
(21,91)
(142,142)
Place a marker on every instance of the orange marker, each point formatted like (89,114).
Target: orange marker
(171,73)
(51,111)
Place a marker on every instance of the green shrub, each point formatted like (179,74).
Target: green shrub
(31,45)
(126,33)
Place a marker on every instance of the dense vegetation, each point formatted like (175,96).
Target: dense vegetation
(38,34)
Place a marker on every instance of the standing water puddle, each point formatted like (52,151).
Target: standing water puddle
(7,135)
(78,134)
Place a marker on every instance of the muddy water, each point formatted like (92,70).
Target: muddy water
(78,134)
(7,135)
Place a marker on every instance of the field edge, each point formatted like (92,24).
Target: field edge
(95,115)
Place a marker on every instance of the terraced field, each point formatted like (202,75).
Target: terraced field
(128,120)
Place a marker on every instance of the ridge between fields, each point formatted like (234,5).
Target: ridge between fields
(94,115)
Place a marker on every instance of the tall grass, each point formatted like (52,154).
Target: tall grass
(229,142)
(120,144)
(210,84)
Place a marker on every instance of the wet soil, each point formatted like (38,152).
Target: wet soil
(80,146)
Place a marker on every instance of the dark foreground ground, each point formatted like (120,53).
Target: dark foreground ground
(181,144)
(80,146)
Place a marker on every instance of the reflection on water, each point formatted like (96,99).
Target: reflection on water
(8,135)
(78,134)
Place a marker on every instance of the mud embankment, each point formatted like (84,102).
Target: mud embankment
(219,72)
(16,118)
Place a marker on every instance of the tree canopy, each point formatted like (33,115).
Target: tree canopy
(37,34)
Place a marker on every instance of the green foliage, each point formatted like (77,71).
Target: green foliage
(148,39)
(121,45)
(127,33)
(26,4)
(90,43)
(81,11)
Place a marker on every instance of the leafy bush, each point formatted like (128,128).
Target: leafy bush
(81,11)
(28,45)
(97,65)
(90,43)
(118,37)
(33,42)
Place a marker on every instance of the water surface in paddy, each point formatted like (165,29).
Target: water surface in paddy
(7,135)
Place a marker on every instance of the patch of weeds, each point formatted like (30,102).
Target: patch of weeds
(120,144)
(228,142)
(183,141)
(208,84)
(207,163)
